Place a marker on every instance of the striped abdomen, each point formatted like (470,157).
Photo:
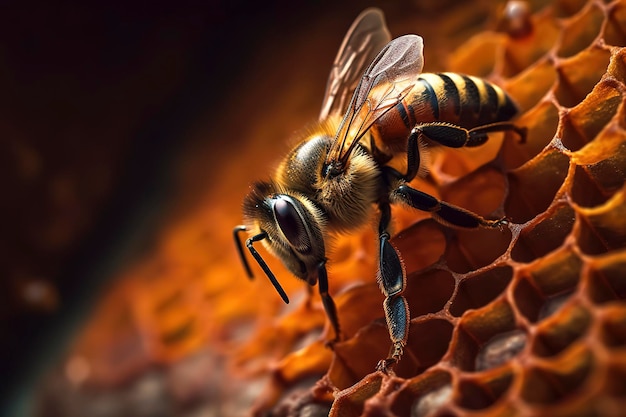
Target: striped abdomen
(462,100)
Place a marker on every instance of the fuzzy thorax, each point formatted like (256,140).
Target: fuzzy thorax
(348,196)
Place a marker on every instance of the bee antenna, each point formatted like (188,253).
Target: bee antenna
(242,255)
(263,265)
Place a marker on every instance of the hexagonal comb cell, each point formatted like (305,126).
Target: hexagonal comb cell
(561,330)
(585,191)
(433,290)
(574,85)
(578,130)
(555,381)
(607,172)
(421,244)
(542,122)
(580,31)
(534,185)
(474,337)
(604,280)
(545,235)
(500,349)
(547,278)
(602,227)
(428,342)
(615,27)
(613,327)
(480,392)
(479,289)
(463,255)
(423,394)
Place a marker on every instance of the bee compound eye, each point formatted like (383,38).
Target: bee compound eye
(291,224)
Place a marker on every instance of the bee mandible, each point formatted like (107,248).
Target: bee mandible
(333,179)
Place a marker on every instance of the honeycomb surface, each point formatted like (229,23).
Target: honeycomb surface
(529,320)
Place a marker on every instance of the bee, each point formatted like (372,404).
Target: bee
(341,173)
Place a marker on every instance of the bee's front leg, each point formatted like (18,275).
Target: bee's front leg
(392,281)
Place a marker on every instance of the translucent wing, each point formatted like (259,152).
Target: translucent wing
(365,38)
(389,78)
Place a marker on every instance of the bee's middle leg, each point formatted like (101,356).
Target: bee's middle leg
(392,281)
(443,212)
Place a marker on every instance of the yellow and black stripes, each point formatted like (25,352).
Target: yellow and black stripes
(463,100)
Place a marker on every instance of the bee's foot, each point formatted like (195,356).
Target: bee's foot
(501,224)
(386,366)
(330,344)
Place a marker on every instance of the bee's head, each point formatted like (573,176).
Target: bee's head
(290,225)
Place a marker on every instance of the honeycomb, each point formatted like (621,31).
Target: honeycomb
(524,321)
(529,320)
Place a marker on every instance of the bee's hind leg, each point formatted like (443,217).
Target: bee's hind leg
(450,135)
(453,136)
(392,281)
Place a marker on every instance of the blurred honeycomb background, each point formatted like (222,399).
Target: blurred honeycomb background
(131,135)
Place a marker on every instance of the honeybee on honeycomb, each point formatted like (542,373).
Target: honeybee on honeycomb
(335,176)
(525,323)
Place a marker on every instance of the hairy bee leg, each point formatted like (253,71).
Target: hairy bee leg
(478,135)
(453,136)
(443,212)
(328,302)
(392,281)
